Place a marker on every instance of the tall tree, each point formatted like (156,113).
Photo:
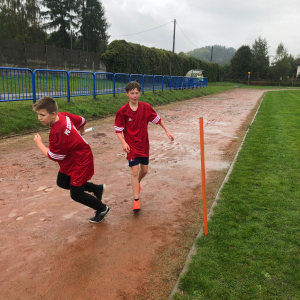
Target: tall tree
(282,63)
(241,62)
(260,57)
(93,27)
(20,21)
(60,18)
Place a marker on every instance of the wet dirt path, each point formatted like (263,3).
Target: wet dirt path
(48,248)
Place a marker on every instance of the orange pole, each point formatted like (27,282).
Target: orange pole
(203,175)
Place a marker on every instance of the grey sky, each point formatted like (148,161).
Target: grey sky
(230,23)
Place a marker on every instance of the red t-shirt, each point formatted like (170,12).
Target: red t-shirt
(70,150)
(134,125)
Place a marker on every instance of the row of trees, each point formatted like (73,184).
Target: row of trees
(76,24)
(257,61)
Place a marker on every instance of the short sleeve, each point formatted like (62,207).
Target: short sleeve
(78,121)
(119,122)
(152,116)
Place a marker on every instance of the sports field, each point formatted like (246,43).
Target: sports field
(49,250)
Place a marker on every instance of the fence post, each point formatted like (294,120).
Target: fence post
(33,86)
(94,85)
(114,85)
(153,82)
(143,84)
(68,87)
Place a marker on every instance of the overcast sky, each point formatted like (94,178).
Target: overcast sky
(230,23)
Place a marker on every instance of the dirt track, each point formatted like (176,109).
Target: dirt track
(48,248)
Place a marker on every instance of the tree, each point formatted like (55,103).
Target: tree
(226,70)
(182,54)
(20,21)
(60,17)
(260,57)
(241,62)
(282,63)
(92,35)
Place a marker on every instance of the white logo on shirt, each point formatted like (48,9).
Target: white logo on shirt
(67,132)
(68,123)
(129,119)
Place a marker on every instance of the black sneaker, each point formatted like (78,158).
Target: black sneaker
(100,191)
(99,216)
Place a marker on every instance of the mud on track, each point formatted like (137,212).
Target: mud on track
(49,250)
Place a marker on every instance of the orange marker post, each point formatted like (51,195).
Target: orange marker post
(203,175)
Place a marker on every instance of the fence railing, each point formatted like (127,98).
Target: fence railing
(17,84)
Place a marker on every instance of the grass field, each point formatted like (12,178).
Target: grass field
(17,117)
(252,250)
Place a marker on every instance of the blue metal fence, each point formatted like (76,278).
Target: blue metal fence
(104,83)
(158,83)
(18,84)
(166,83)
(53,83)
(81,83)
(147,83)
(15,84)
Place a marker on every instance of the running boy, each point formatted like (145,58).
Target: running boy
(132,120)
(73,154)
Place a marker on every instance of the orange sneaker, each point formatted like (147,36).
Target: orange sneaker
(136,205)
(139,187)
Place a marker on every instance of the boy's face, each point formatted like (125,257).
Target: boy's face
(45,118)
(133,95)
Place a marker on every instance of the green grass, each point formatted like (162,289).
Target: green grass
(252,250)
(18,117)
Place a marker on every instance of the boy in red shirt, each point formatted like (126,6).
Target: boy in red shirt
(73,154)
(132,120)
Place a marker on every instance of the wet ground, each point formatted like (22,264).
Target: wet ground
(49,250)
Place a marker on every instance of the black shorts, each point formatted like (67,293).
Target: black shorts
(138,160)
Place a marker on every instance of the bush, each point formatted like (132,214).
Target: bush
(129,58)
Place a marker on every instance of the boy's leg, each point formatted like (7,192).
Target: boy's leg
(63,181)
(78,194)
(135,181)
(143,171)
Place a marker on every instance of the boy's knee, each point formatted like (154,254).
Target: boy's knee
(76,196)
(62,185)
(134,172)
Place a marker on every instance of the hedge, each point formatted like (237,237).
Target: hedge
(129,58)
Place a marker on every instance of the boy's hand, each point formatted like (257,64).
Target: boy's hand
(126,147)
(37,139)
(170,136)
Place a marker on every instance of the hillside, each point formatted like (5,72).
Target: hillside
(221,54)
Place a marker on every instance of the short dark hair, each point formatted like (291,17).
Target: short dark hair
(47,103)
(132,85)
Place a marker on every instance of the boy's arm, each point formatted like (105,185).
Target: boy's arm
(162,124)
(125,146)
(81,130)
(38,140)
